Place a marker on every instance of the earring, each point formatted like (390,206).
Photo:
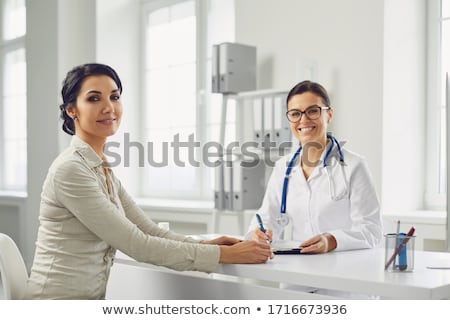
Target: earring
(75,118)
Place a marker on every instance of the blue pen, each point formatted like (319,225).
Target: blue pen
(261,226)
(402,260)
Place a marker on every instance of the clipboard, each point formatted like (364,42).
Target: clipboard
(286,247)
(287,251)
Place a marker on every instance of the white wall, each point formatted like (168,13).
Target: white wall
(343,42)
(404,116)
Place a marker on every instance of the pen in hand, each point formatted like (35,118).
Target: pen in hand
(261,226)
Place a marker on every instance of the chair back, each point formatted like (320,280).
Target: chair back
(12,269)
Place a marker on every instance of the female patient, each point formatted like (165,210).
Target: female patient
(86,214)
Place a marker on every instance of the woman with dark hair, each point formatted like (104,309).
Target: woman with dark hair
(322,193)
(71,88)
(86,214)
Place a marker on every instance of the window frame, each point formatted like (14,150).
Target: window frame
(200,192)
(434,200)
(6,47)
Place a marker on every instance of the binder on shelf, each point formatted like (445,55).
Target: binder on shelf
(228,185)
(258,131)
(215,74)
(219,197)
(248,184)
(268,119)
(233,68)
(281,128)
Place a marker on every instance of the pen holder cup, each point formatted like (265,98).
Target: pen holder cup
(399,252)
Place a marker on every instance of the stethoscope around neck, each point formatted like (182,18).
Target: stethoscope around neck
(283,219)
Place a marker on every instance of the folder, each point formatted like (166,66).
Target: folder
(281,128)
(228,185)
(248,184)
(219,197)
(237,67)
(215,83)
(237,186)
(257,120)
(268,119)
(224,80)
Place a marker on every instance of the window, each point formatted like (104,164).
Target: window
(444,70)
(13,148)
(179,112)
(438,51)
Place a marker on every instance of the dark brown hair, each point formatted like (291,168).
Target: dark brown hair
(72,84)
(309,86)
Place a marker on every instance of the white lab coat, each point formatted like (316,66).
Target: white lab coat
(354,220)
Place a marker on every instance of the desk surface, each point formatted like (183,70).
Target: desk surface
(357,271)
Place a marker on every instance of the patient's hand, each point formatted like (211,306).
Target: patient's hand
(223,240)
(248,251)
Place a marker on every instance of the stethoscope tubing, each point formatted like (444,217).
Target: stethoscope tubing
(325,164)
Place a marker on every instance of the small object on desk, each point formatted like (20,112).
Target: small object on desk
(440,265)
(402,259)
(287,251)
(402,264)
(399,247)
(286,247)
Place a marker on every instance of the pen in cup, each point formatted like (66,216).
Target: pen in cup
(402,255)
(400,247)
(261,226)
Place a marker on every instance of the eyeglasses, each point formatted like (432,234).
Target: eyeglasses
(312,113)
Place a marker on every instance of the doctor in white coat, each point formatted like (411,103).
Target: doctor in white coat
(322,192)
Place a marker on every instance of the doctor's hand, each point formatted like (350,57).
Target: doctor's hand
(320,243)
(260,236)
(247,251)
(223,240)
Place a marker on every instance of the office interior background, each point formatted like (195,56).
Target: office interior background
(383,62)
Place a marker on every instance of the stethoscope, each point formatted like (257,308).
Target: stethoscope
(283,219)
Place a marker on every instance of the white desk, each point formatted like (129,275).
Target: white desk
(359,271)
(356,271)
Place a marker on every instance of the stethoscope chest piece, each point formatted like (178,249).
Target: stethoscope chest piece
(283,220)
